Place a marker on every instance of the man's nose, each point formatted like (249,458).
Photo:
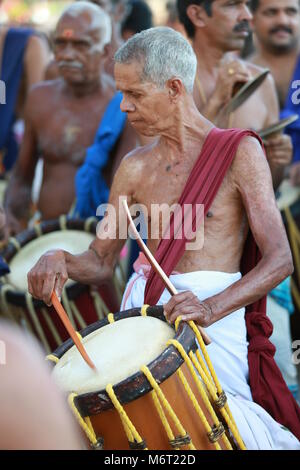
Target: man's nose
(68,52)
(282,18)
(126,105)
(246,14)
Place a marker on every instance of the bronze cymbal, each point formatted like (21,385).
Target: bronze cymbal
(243,91)
(278,126)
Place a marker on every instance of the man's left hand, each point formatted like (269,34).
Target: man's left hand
(188,306)
(279,150)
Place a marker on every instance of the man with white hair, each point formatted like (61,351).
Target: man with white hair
(62,117)
(194,162)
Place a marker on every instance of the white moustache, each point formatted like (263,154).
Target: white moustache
(74,65)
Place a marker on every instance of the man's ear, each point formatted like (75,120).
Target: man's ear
(106,51)
(197,15)
(175,87)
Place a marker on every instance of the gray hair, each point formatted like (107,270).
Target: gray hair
(100,20)
(165,53)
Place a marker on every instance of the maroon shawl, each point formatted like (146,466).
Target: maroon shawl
(267,385)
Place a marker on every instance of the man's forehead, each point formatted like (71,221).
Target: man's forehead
(70,26)
(278,4)
(128,74)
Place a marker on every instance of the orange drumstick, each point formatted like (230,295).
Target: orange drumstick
(68,325)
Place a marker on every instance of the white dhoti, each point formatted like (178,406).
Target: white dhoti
(229,355)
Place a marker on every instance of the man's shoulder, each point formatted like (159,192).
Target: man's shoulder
(42,94)
(137,161)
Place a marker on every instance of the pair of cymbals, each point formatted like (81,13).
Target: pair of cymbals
(242,91)
(277,127)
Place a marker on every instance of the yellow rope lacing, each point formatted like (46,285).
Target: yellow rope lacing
(207,379)
(200,388)
(86,424)
(131,432)
(197,407)
(163,417)
(166,405)
(111,318)
(52,358)
(210,376)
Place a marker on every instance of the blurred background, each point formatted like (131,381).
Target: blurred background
(43,14)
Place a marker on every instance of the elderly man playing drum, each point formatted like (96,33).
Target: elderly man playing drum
(193,162)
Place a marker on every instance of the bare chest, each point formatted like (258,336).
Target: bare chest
(161,191)
(66,131)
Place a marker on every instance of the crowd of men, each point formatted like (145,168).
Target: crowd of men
(57,159)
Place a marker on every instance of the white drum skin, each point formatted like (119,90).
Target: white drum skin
(72,241)
(118,350)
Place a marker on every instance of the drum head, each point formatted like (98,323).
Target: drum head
(118,350)
(278,127)
(73,241)
(246,91)
(287,195)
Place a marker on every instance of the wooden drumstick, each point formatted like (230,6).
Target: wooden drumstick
(68,325)
(172,290)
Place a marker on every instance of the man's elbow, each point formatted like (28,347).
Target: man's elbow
(286,267)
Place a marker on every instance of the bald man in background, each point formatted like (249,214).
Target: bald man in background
(62,118)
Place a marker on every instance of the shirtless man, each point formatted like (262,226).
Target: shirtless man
(277,32)
(62,117)
(217,28)
(35,58)
(157,95)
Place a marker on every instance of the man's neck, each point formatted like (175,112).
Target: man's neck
(187,134)
(272,56)
(81,90)
(208,55)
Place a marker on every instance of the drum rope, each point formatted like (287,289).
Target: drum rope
(220,402)
(166,404)
(52,358)
(63,222)
(211,370)
(15,242)
(100,306)
(111,318)
(197,406)
(163,419)
(35,320)
(85,425)
(200,388)
(51,327)
(66,304)
(77,315)
(135,440)
(4,304)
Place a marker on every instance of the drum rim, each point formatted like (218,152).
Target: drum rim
(92,403)
(18,298)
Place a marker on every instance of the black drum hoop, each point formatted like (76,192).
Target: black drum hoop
(137,385)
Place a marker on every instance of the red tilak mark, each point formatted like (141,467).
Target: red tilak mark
(68,33)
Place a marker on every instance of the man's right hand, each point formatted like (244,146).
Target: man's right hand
(230,74)
(49,273)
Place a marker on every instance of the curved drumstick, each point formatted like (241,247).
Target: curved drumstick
(172,290)
(68,325)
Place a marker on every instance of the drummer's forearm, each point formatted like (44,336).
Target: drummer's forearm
(87,268)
